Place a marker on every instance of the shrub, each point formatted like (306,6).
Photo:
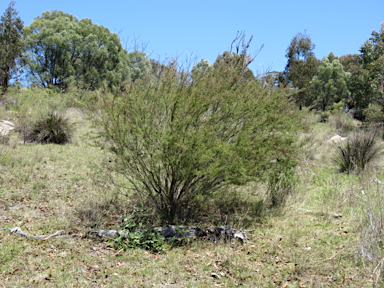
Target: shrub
(324,116)
(178,140)
(374,114)
(53,128)
(338,107)
(357,152)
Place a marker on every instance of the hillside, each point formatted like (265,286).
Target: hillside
(45,188)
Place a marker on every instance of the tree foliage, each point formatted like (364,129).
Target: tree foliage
(139,65)
(330,85)
(236,59)
(351,63)
(372,56)
(239,58)
(62,49)
(359,84)
(302,65)
(203,66)
(11,44)
(177,141)
(373,48)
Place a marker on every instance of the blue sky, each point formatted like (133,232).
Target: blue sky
(204,29)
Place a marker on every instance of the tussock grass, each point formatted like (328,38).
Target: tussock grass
(52,128)
(360,150)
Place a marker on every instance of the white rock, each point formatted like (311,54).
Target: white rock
(6,127)
(337,139)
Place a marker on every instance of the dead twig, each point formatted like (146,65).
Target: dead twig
(18,231)
(321,214)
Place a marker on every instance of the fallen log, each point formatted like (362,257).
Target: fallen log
(18,231)
(180,232)
(378,181)
(321,214)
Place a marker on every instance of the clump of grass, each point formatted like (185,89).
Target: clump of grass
(4,153)
(4,139)
(371,247)
(344,124)
(323,117)
(357,152)
(53,128)
(281,184)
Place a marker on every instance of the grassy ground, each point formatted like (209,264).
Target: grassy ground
(45,188)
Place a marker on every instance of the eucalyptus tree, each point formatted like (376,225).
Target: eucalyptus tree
(372,55)
(139,65)
(301,67)
(236,59)
(359,85)
(11,44)
(330,84)
(62,49)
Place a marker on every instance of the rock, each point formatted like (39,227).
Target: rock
(337,139)
(6,127)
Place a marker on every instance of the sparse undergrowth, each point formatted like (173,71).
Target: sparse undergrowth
(138,234)
(49,187)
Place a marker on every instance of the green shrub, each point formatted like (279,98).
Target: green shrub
(179,140)
(357,152)
(338,107)
(53,128)
(374,114)
(324,116)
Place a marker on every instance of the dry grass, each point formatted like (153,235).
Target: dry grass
(51,187)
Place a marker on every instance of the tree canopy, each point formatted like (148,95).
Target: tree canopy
(203,66)
(139,65)
(330,84)
(372,55)
(301,67)
(11,44)
(62,49)
(359,84)
(236,59)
